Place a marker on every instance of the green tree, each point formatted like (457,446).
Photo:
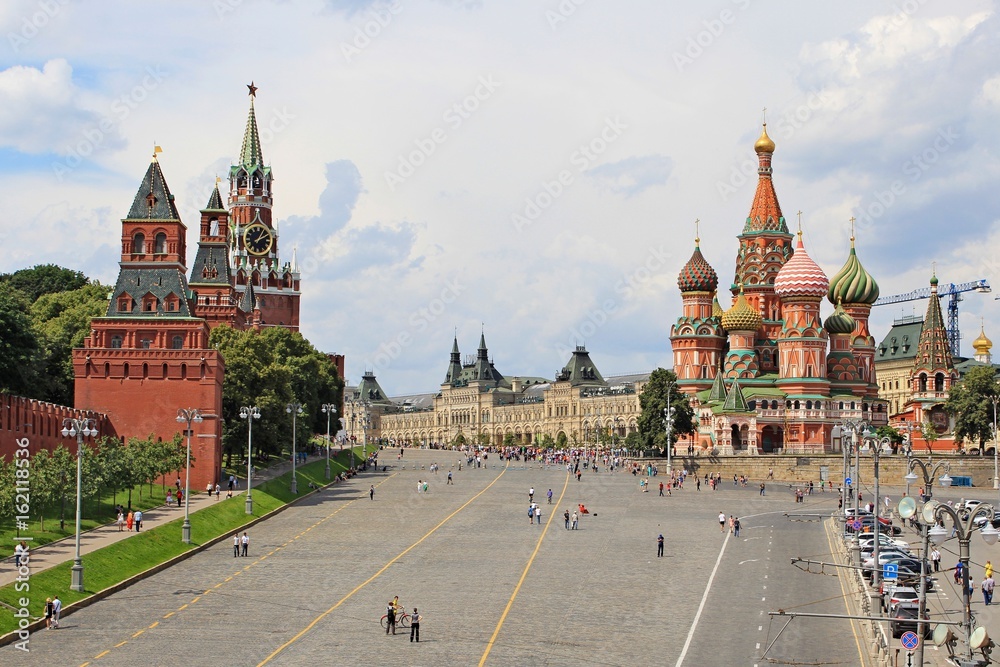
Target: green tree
(43,279)
(929,433)
(18,346)
(61,320)
(653,401)
(561,440)
(508,440)
(970,402)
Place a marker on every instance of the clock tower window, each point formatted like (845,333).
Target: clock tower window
(139,243)
(177,343)
(160,245)
(116,342)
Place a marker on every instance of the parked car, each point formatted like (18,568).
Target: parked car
(851,512)
(888,556)
(897,594)
(885,526)
(903,618)
(865,540)
(907,572)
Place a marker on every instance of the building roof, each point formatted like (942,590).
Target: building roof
(211,265)
(369,390)
(414,402)
(801,276)
(153,200)
(900,343)
(160,282)
(765,212)
(215,201)
(852,284)
(697,275)
(580,369)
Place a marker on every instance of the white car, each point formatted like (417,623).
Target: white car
(883,557)
(866,540)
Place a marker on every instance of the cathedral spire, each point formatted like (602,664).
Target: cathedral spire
(765,212)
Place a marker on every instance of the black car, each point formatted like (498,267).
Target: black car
(908,570)
(903,620)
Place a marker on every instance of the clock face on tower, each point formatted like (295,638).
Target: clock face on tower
(258,239)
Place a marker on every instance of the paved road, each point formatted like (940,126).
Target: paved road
(492,588)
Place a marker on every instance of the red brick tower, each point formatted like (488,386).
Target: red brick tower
(149,355)
(254,238)
(211,276)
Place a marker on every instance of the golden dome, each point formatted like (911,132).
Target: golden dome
(982,344)
(764,144)
(742,316)
(717,311)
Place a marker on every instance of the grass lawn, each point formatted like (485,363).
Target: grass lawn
(117,562)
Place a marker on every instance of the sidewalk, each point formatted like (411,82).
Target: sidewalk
(61,551)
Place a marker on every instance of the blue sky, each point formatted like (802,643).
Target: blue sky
(531,167)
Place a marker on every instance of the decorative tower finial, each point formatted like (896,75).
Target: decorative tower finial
(697,233)
(800,223)
(852,231)
(253,89)
(156,149)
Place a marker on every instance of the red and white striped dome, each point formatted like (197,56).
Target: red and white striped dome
(801,276)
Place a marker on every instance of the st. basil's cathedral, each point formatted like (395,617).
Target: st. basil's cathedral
(768,374)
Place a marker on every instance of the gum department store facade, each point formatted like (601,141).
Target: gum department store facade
(766,375)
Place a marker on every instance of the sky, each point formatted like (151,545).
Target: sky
(528,169)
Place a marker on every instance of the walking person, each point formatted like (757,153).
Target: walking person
(138,520)
(661,489)
(449,478)
(762,488)
(531,494)
(415,626)
(57,608)
(549,496)
(988,584)
(21,552)
(736,526)
(371,492)
(236,545)
(48,613)
(390,618)
(130,520)
(218,491)
(566,517)
(722,522)
(936,559)
(659,546)
(575,521)
(538,514)
(244,543)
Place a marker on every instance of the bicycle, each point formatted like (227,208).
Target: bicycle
(402,620)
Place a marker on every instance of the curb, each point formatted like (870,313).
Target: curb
(39,624)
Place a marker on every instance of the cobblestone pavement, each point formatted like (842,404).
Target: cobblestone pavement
(493,589)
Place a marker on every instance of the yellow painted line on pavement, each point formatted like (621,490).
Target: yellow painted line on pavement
(182,607)
(524,575)
(379,573)
(133,637)
(85,664)
(155,623)
(101,654)
(121,644)
(854,626)
(169,615)
(195,600)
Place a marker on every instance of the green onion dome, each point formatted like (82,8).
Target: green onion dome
(697,275)
(853,284)
(741,316)
(839,322)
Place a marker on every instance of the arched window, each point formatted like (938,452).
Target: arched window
(139,243)
(796,405)
(213,227)
(177,342)
(939,382)
(146,343)
(160,245)
(116,342)
(809,405)
(923,382)
(774,405)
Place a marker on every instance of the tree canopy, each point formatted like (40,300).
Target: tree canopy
(971,403)
(43,279)
(653,402)
(268,369)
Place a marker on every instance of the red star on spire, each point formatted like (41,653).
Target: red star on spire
(253,89)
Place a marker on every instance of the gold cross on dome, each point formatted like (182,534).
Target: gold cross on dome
(800,222)
(852,227)
(697,233)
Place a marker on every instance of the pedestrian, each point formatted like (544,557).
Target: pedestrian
(549,496)
(936,559)
(244,543)
(169,499)
(731,526)
(415,626)
(661,489)
(989,569)
(236,545)
(390,618)
(538,514)
(57,608)
(178,483)
(371,492)
(566,517)
(722,522)
(180,497)
(531,494)
(218,491)
(736,526)
(232,481)
(420,486)
(138,520)
(449,477)
(987,587)
(697,483)
(208,489)
(48,613)
(762,488)
(130,520)
(578,473)
(21,552)
(659,546)
(576,520)
(958,572)
(531,513)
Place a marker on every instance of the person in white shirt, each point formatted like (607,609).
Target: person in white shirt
(722,522)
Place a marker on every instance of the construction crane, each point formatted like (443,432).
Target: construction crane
(954,294)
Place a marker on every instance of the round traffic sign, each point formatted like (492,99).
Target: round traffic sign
(856,524)
(909,640)
(847,481)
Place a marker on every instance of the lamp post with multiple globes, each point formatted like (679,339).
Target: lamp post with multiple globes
(189,416)
(329,409)
(294,408)
(79,429)
(249,413)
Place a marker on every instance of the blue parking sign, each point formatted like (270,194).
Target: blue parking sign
(891,571)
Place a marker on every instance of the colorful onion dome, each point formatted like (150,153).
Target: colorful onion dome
(741,316)
(934,280)
(717,311)
(697,275)
(982,344)
(801,276)
(839,322)
(764,143)
(853,284)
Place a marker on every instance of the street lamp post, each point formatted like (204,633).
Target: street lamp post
(189,416)
(996,472)
(908,509)
(876,444)
(295,409)
(79,429)
(668,422)
(328,409)
(964,529)
(249,413)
